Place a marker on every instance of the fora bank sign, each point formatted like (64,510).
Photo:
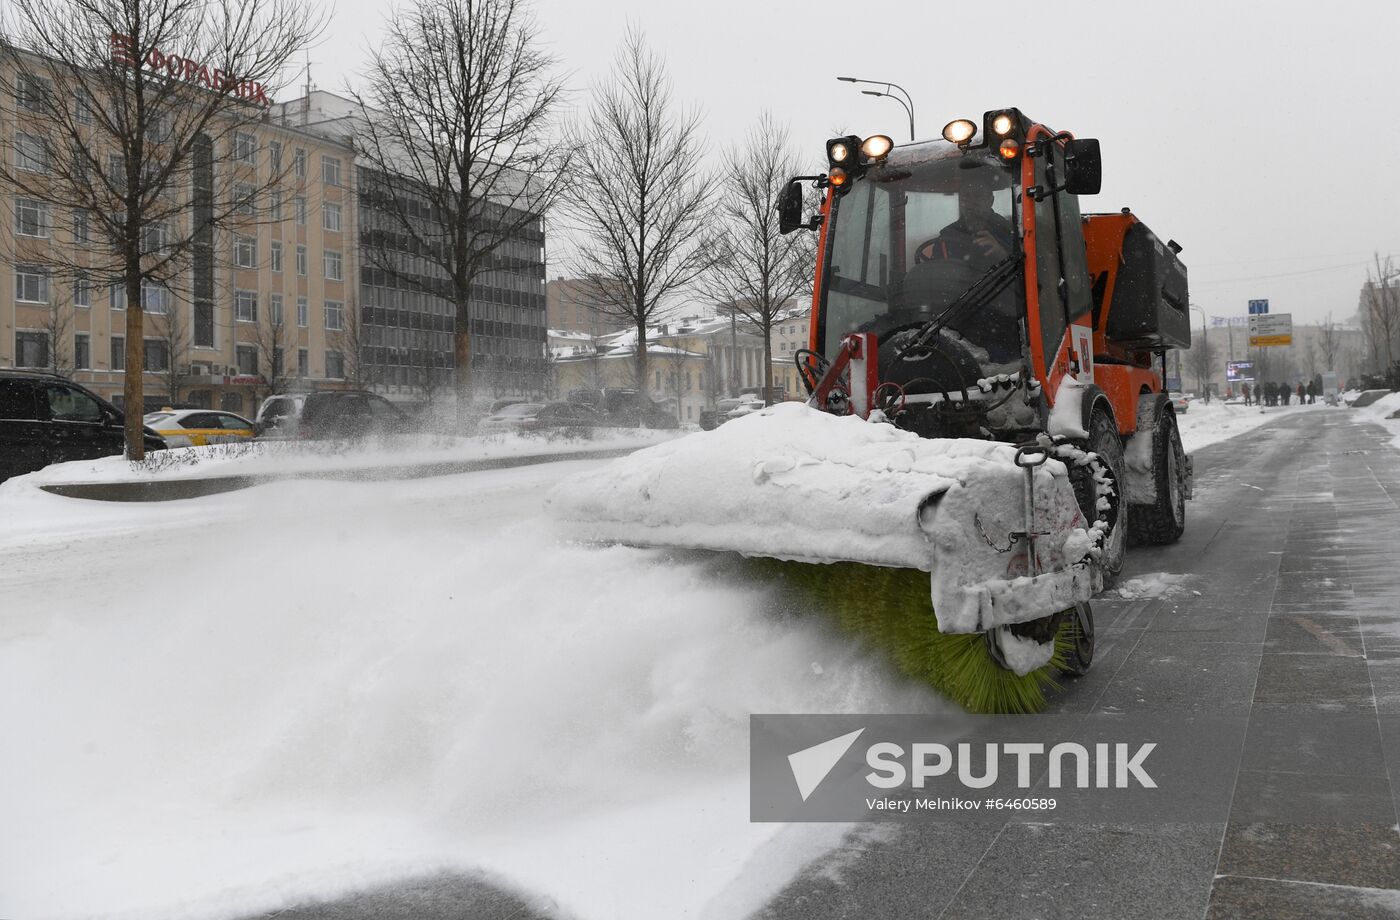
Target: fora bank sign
(124,51)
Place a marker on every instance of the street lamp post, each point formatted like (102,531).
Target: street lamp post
(907,101)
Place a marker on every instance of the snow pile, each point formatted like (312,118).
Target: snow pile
(1386,413)
(1155,584)
(292,458)
(790,482)
(395,678)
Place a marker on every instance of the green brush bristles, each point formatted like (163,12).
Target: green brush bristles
(891,608)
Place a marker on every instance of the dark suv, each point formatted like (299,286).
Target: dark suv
(330,414)
(47,419)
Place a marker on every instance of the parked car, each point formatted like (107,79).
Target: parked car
(198,427)
(330,415)
(625,408)
(47,419)
(556,418)
(1180,402)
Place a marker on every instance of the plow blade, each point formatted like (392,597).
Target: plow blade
(918,543)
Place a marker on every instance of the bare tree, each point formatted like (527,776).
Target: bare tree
(1329,343)
(58,327)
(758,272)
(171,331)
(276,341)
(353,343)
(1201,358)
(123,106)
(639,204)
(456,147)
(1381,316)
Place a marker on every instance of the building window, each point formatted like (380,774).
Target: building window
(31,349)
(82,227)
(276,361)
(245,251)
(155,297)
(31,152)
(335,315)
(274,204)
(275,309)
(155,236)
(247,360)
(116,295)
(31,284)
(301,209)
(301,260)
(299,162)
(330,171)
(303,313)
(303,363)
(32,217)
(31,92)
(82,291)
(118,353)
(245,306)
(82,107)
(203,324)
(243,195)
(155,355)
(245,147)
(333,265)
(335,365)
(330,217)
(82,351)
(274,149)
(275,256)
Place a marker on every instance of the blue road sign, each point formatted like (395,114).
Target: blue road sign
(1258,306)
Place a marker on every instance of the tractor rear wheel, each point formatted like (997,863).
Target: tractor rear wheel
(1164,520)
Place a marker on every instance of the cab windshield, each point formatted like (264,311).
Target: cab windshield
(911,236)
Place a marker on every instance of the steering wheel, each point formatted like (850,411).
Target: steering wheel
(929,251)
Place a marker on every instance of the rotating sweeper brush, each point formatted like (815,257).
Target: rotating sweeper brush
(986,422)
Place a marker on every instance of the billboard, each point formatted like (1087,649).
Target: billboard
(1237,371)
(1270,329)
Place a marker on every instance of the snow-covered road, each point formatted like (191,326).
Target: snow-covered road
(230,704)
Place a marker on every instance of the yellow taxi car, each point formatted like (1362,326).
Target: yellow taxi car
(198,427)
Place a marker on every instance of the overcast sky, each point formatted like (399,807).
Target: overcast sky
(1261,138)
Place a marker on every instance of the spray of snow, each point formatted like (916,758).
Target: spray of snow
(304,689)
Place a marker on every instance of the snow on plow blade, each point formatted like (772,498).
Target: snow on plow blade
(793,483)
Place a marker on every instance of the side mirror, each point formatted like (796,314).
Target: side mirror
(790,208)
(1083,167)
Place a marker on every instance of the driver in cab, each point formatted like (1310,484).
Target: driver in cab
(980,237)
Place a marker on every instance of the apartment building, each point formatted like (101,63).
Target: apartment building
(407,315)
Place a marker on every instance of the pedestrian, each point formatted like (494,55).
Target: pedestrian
(1302,392)
(1283,394)
(1245,390)
(1312,392)
(1268,388)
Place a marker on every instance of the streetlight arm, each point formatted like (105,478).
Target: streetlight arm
(907,101)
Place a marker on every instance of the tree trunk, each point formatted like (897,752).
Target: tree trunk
(462,374)
(133,381)
(642,358)
(768,363)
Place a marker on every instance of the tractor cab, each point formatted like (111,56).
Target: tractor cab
(965,259)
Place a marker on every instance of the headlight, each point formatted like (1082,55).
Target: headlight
(876,147)
(838,177)
(1002,124)
(959,131)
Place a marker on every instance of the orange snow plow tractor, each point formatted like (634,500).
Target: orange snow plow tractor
(986,424)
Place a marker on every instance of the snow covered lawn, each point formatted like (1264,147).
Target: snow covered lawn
(271,459)
(1379,413)
(225,705)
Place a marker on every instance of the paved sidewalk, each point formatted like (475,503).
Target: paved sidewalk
(1293,542)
